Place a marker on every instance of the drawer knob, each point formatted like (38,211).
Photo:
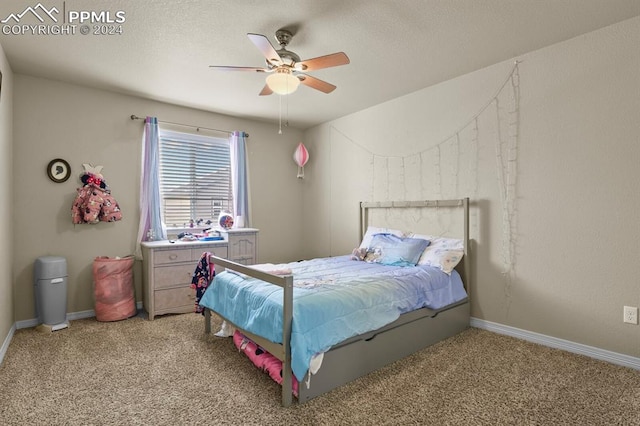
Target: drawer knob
(173,256)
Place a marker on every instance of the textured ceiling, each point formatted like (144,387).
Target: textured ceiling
(395,47)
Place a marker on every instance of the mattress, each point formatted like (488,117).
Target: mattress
(334,298)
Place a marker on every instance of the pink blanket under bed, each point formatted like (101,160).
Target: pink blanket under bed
(262,359)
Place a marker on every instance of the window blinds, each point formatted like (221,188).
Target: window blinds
(195,178)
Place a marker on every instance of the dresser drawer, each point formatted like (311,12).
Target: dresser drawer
(171,256)
(196,253)
(183,299)
(174,275)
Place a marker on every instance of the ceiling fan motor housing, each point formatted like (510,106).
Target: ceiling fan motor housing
(283,37)
(288,57)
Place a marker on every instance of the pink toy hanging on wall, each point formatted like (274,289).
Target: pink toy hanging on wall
(301,156)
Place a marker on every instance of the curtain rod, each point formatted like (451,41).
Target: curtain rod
(135,117)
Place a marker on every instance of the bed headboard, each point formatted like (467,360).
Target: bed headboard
(460,205)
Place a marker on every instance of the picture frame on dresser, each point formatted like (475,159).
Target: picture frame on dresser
(167,268)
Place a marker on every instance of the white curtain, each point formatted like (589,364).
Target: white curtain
(239,179)
(150,226)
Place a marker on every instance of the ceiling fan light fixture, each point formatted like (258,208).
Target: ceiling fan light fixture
(283,82)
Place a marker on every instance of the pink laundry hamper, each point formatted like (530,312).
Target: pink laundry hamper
(113,288)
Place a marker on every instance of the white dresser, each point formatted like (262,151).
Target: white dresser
(167,268)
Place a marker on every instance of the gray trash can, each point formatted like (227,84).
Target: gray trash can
(50,281)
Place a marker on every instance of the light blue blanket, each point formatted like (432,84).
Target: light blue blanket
(333,299)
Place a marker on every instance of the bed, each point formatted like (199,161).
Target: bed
(329,321)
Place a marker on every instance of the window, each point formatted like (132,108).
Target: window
(195,178)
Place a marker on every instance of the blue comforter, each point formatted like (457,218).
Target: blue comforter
(333,299)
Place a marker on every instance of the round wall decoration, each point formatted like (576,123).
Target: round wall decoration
(58,170)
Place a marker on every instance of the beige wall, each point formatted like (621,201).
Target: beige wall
(6,198)
(83,125)
(576,227)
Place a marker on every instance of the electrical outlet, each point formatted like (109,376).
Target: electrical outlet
(631,315)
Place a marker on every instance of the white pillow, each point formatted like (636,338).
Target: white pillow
(372,230)
(443,253)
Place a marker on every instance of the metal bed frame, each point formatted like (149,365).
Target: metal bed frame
(363,354)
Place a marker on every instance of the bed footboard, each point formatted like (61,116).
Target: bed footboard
(280,351)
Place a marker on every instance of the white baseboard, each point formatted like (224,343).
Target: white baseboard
(553,342)
(70,317)
(5,344)
(34,323)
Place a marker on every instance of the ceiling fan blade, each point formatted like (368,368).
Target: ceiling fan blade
(266,91)
(326,61)
(225,68)
(316,83)
(265,46)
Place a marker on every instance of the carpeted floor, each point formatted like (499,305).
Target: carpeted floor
(168,372)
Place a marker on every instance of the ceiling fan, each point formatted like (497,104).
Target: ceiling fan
(285,68)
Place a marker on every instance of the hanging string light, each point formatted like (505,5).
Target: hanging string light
(507,121)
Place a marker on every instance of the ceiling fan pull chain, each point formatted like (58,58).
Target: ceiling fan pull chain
(286,121)
(280,123)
